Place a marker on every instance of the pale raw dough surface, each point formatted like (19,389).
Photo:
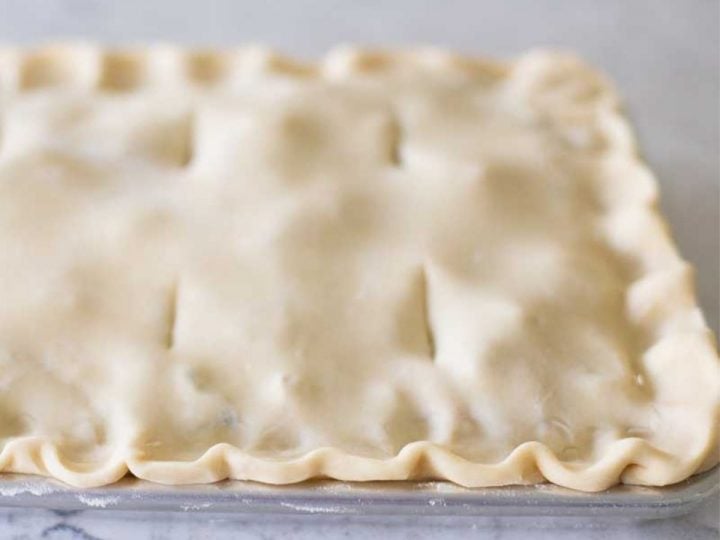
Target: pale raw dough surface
(382,266)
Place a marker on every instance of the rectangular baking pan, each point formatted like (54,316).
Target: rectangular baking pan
(326,498)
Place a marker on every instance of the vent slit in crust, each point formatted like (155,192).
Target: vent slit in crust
(395,139)
(188,149)
(172,315)
(426,313)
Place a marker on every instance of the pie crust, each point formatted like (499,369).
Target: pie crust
(382,266)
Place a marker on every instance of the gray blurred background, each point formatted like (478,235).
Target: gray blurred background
(663,54)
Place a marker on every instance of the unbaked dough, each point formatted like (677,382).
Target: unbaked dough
(386,265)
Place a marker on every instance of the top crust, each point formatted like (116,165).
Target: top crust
(385,265)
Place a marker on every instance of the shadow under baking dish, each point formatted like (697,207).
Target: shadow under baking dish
(329,497)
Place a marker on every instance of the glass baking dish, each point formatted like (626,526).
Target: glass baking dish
(386,499)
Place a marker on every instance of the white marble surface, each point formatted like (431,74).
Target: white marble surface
(664,56)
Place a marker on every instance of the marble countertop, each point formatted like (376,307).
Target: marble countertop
(664,58)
